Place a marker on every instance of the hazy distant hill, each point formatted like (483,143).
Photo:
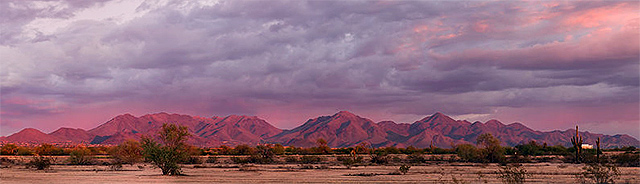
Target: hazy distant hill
(342,129)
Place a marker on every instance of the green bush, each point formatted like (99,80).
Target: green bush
(469,153)
(173,150)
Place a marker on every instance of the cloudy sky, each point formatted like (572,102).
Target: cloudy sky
(549,65)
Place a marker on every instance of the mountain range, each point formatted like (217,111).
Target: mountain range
(343,129)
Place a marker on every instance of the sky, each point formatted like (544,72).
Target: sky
(547,64)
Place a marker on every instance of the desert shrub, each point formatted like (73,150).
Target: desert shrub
(193,160)
(264,155)
(24,151)
(598,173)
(239,160)
(388,150)
(243,149)
(48,149)
(278,149)
(415,158)
(212,159)
(322,147)
(80,156)
(9,149)
(6,161)
(349,160)
(291,159)
(379,158)
(531,149)
(310,159)
(115,166)
(128,152)
(491,148)
(627,159)
(404,169)
(469,153)
(173,150)
(40,163)
(512,174)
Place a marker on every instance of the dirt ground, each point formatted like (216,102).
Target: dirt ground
(288,173)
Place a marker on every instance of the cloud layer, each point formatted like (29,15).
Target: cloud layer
(550,65)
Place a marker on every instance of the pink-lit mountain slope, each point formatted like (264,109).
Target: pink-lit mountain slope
(342,129)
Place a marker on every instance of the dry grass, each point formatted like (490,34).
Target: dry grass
(326,172)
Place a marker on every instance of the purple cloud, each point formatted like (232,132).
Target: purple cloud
(402,59)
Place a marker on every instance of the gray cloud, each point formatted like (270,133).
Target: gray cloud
(406,57)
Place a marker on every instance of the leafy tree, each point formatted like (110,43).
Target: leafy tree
(491,147)
(172,150)
(532,149)
(323,147)
(468,152)
(128,152)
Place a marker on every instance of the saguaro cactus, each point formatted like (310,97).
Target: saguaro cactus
(598,150)
(431,146)
(577,144)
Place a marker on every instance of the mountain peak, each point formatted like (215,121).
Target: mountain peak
(344,113)
(31,131)
(438,116)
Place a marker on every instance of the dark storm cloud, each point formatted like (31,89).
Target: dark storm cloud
(404,57)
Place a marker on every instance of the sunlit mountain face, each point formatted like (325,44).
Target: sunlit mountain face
(342,129)
(548,65)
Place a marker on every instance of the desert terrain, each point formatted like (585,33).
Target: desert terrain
(327,172)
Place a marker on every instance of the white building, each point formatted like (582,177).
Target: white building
(587,146)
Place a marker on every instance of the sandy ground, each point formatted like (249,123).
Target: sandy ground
(283,173)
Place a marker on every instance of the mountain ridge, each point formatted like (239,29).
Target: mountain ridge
(342,129)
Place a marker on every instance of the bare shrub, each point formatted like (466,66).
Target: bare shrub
(40,163)
(212,159)
(598,173)
(379,158)
(310,159)
(513,174)
(404,169)
(349,161)
(291,159)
